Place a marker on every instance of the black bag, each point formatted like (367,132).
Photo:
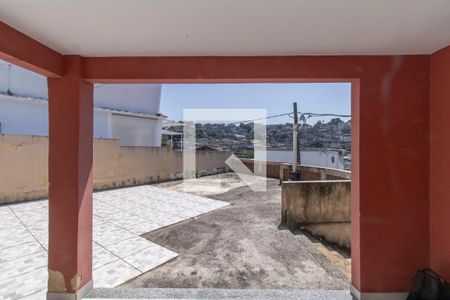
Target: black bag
(428,285)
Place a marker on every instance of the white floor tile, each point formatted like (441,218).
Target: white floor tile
(149,258)
(20,251)
(14,236)
(143,227)
(113,274)
(113,237)
(23,265)
(41,295)
(129,246)
(120,216)
(101,256)
(124,220)
(24,285)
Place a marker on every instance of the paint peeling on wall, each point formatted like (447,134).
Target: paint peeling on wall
(76,282)
(56,282)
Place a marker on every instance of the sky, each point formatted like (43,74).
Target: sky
(276,98)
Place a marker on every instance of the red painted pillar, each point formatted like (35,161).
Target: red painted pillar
(440,162)
(70,177)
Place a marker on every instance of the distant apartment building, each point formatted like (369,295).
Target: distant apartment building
(128,112)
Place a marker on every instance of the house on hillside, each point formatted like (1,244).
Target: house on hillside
(128,112)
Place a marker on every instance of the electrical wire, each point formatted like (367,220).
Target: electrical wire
(302,116)
(265,118)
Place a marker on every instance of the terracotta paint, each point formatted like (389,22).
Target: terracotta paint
(440,162)
(390,107)
(70,175)
(391,148)
(355,190)
(23,51)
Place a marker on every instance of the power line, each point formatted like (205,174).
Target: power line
(325,115)
(302,116)
(307,115)
(265,118)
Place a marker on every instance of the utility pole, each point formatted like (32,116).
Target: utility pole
(299,158)
(295,154)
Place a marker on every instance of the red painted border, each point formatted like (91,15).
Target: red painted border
(390,103)
(440,162)
(26,52)
(390,131)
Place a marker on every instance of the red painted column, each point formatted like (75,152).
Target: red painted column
(70,177)
(440,162)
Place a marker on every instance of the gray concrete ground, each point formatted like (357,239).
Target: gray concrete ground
(242,246)
(222,294)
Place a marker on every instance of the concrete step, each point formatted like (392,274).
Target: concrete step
(231,294)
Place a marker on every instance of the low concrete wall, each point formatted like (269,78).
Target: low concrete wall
(308,173)
(321,207)
(272,168)
(24,166)
(282,170)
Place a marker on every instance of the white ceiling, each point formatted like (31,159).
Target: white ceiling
(233,27)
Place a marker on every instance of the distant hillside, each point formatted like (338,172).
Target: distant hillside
(239,137)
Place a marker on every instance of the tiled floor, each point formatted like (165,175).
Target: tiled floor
(119,253)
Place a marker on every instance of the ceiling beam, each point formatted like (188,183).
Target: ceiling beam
(22,50)
(204,69)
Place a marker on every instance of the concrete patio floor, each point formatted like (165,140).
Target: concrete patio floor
(241,246)
(119,253)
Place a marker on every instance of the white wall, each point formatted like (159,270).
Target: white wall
(30,117)
(19,81)
(136,131)
(23,117)
(137,98)
(102,124)
(310,157)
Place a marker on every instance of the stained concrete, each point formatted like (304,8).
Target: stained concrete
(242,246)
(24,166)
(320,207)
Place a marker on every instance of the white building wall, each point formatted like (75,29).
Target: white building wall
(23,117)
(30,117)
(136,131)
(19,81)
(136,98)
(19,115)
(327,159)
(102,124)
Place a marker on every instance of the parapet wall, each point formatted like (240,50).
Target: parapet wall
(24,166)
(272,168)
(308,173)
(320,207)
(281,170)
(319,202)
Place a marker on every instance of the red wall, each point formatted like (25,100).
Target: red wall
(440,162)
(397,168)
(393,172)
(390,126)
